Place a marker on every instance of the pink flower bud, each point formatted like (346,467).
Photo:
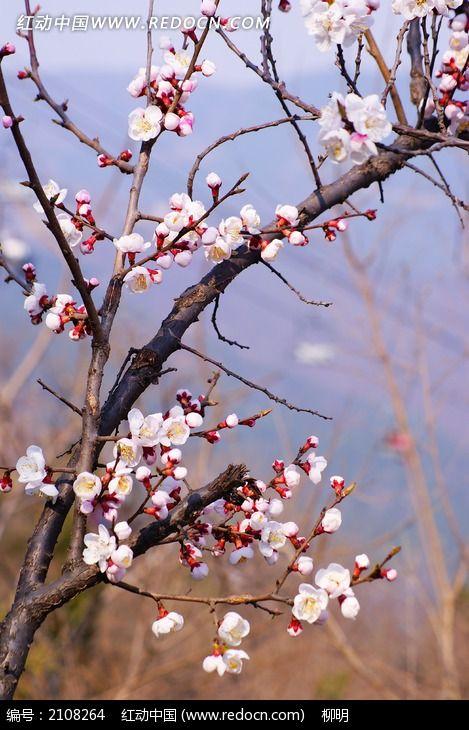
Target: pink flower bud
(208,68)
(208,8)
(83,196)
(142,473)
(125,155)
(232,420)
(210,236)
(165,261)
(190,85)
(165,43)
(171,122)
(186,125)
(7,50)
(122,530)
(104,161)
(92,283)
(183,258)
(294,628)
(362,561)
(290,529)
(7,122)
(194,420)
(304,565)
(213,181)
(389,573)
(296,238)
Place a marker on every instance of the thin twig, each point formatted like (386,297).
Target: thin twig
(250,384)
(217,330)
(59,397)
(295,291)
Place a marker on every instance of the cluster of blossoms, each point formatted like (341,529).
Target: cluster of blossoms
(454,75)
(259,513)
(411,9)
(249,515)
(184,230)
(230,633)
(351,126)
(59,310)
(72,225)
(168,89)
(337,21)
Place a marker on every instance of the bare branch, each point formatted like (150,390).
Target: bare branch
(59,397)
(252,385)
(219,334)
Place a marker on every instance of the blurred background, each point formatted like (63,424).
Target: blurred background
(388,362)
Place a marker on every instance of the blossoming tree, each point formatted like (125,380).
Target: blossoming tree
(237,516)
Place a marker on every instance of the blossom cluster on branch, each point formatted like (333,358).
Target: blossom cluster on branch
(337,22)
(411,9)
(149,457)
(453,76)
(351,126)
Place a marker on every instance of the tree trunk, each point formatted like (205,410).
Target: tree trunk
(16,635)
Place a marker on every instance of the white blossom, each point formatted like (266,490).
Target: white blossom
(241,555)
(99,548)
(273,538)
(122,530)
(179,62)
(52,192)
(271,251)
(145,124)
(317,464)
(292,476)
(411,9)
(337,144)
(233,660)
(87,485)
(349,606)
(309,603)
(138,280)
(121,485)
(332,520)
(335,579)
(250,219)
(48,490)
(304,565)
(128,451)
(122,556)
(32,303)
(71,234)
(214,663)
(145,429)
(174,430)
(233,629)
(133,243)
(170,623)
(230,229)
(31,467)
(368,116)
